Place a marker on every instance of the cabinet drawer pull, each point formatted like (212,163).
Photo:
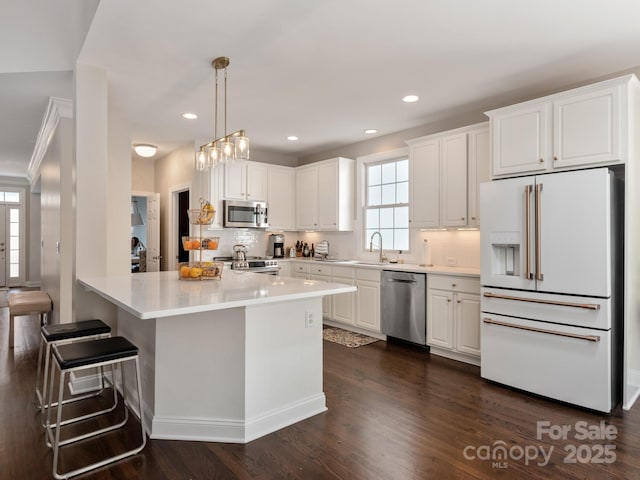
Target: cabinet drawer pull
(590,338)
(541,160)
(587,306)
(453,285)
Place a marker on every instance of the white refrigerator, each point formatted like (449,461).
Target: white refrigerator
(550,263)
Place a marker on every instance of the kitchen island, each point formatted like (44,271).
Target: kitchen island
(226,360)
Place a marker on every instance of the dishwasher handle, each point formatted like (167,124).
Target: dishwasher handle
(400,280)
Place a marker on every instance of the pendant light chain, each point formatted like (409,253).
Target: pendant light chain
(225,101)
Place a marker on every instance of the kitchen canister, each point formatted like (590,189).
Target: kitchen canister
(425,254)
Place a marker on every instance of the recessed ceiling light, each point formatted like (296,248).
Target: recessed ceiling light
(410,98)
(145,150)
(370,131)
(189,116)
(292,138)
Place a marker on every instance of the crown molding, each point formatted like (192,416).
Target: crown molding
(58,108)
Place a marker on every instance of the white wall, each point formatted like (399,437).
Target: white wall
(91,218)
(53,263)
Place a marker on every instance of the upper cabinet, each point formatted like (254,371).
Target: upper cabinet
(245,180)
(281,197)
(586,126)
(446,169)
(325,195)
(478,171)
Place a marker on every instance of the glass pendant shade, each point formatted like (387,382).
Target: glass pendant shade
(227,150)
(213,156)
(242,148)
(201,161)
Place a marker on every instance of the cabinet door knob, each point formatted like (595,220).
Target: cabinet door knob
(473,218)
(461,218)
(555,158)
(454,285)
(541,160)
(459,301)
(448,300)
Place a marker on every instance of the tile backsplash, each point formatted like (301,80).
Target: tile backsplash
(459,246)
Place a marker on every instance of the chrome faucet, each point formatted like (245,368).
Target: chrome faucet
(383,257)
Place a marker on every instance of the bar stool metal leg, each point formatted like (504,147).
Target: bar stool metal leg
(115,352)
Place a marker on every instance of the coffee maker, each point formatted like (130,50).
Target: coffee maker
(276,245)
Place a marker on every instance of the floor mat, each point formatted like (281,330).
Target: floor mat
(346,338)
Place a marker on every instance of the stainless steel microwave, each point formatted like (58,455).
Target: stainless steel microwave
(245,214)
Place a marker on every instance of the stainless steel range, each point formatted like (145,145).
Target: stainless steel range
(253,264)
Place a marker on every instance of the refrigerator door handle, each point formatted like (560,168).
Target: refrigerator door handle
(527,232)
(539,274)
(589,338)
(586,306)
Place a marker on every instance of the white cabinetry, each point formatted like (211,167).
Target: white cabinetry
(281,197)
(453,317)
(324,195)
(344,303)
(359,311)
(453,181)
(582,127)
(322,273)
(301,270)
(445,171)
(424,184)
(286,269)
(478,171)
(245,181)
(368,299)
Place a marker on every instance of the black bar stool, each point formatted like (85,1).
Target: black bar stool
(72,357)
(60,334)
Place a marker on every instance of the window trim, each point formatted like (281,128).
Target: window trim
(361,178)
(21,206)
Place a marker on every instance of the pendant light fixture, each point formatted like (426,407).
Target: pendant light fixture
(229,147)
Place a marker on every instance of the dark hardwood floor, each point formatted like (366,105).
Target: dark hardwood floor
(394,413)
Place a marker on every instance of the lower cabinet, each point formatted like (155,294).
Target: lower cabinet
(359,311)
(453,317)
(368,299)
(322,273)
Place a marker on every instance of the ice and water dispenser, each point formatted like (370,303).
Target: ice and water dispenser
(505,256)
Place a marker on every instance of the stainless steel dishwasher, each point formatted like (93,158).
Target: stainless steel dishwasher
(403,306)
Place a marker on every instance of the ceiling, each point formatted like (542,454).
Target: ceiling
(324,71)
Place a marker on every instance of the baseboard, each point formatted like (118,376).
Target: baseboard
(632,389)
(460,357)
(236,431)
(32,284)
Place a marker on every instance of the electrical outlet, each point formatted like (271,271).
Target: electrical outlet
(308,319)
(452,261)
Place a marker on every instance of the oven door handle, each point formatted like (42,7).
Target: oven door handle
(589,338)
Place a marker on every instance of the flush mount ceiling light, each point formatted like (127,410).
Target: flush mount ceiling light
(145,150)
(370,131)
(189,116)
(230,147)
(292,138)
(410,98)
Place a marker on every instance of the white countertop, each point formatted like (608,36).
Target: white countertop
(402,267)
(161,294)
